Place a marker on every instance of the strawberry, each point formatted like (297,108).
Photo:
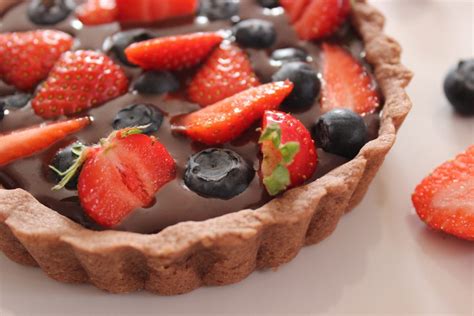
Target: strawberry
(346,83)
(27,142)
(445,199)
(317,19)
(95,12)
(173,52)
(289,152)
(226,72)
(27,57)
(294,8)
(227,119)
(119,175)
(80,80)
(154,10)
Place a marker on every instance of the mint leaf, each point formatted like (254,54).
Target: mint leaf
(278,181)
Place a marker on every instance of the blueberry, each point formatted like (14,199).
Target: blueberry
(459,87)
(139,115)
(156,82)
(269,3)
(255,33)
(284,55)
(16,101)
(49,12)
(306,84)
(218,173)
(122,40)
(63,160)
(341,132)
(219,9)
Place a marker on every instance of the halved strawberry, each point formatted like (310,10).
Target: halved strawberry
(445,199)
(80,80)
(154,10)
(289,152)
(95,12)
(119,175)
(27,142)
(173,52)
(27,57)
(226,72)
(226,120)
(319,18)
(346,84)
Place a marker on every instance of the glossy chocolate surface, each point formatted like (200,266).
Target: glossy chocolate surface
(174,202)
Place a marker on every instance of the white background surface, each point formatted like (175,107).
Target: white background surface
(381,260)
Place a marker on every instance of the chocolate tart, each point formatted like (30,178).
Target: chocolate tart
(224,249)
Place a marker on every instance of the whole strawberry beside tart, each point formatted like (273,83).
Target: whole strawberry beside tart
(193,140)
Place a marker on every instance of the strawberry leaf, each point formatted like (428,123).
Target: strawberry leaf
(272,133)
(278,181)
(133,131)
(71,172)
(289,151)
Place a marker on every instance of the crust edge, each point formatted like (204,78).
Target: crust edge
(222,250)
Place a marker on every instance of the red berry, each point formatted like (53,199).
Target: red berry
(24,143)
(316,19)
(95,12)
(154,10)
(226,72)
(445,199)
(174,52)
(27,57)
(289,152)
(294,8)
(346,83)
(226,120)
(123,174)
(80,80)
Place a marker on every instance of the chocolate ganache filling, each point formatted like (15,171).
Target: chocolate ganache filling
(174,202)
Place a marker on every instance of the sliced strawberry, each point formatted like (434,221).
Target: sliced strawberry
(174,52)
(316,19)
(346,83)
(445,199)
(80,80)
(226,72)
(27,142)
(226,120)
(294,8)
(119,175)
(95,12)
(289,152)
(27,57)
(154,10)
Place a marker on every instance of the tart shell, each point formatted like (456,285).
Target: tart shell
(225,249)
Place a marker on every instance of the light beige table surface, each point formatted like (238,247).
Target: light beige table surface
(381,260)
